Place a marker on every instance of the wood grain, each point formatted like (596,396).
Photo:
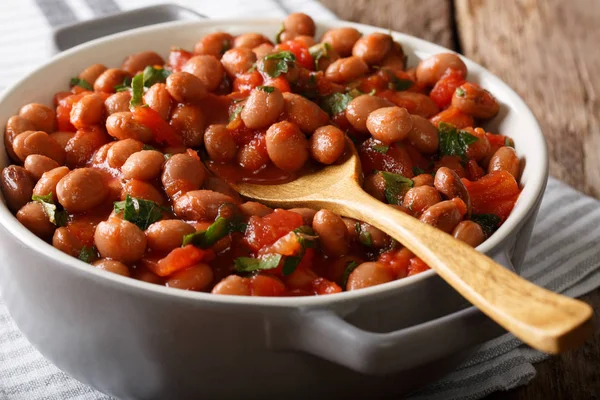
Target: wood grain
(558,49)
(547,51)
(428,19)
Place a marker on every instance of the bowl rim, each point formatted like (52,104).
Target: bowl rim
(530,195)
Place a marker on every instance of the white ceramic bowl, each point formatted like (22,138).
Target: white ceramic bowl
(136,340)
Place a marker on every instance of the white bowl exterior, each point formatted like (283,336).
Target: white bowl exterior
(514,120)
(56,300)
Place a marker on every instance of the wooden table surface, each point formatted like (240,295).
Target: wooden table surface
(549,52)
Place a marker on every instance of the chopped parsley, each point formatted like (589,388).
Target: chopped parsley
(88,254)
(319,51)
(235,113)
(76,81)
(454,142)
(364,237)
(283,61)
(508,142)
(137,91)
(266,89)
(226,45)
(336,103)
(489,223)
(249,264)
(460,92)
(126,85)
(216,231)
(349,268)
(278,34)
(396,186)
(381,148)
(141,212)
(55,214)
(155,75)
(418,171)
(398,84)
(306,237)
(148,147)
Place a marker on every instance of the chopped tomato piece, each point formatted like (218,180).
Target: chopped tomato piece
(396,159)
(416,266)
(162,132)
(474,171)
(453,116)
(497,141)
(177,58)
(444,89)
(265,285)
(246,82)
(322,286)
(266,230)
(494,193)
(301,278)
(63,111)
(397,261)
(303,57)
(280,83)
(178,259)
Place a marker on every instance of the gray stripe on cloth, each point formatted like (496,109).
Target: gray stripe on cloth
(506,365)
(57,12)
(103,7)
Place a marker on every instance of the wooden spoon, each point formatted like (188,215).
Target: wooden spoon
(544,320)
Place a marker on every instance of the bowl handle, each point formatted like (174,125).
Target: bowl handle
(325,334)
(68,36)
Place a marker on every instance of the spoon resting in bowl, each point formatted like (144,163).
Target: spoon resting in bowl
(544,320)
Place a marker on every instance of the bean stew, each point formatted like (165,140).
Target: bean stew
(129,169)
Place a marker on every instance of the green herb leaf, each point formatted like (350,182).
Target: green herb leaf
(266,89)
(336,103)
(76,81)
(454,142)
(284,59)
(460,92)
(349,268)
(141,212)
(225,46)
(307,239)
(88,254)
(249,264)
(319,51)
(137,91)
(148,147)
(55,214)
(381,148)
(508,142)
(43,199)
(489,223)
(235,113)
(126,85)
(290,264)
(364,237)
(155,75)
(222,227)
(168,155)
(398,84)
(396,186)
(278,34)
(418,171)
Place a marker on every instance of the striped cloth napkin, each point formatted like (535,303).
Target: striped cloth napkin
(564,255)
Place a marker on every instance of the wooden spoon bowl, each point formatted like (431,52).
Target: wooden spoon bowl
(544,320)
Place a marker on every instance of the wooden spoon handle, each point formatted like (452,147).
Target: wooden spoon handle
(544,320)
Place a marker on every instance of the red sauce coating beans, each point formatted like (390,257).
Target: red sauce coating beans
(129,169)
